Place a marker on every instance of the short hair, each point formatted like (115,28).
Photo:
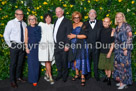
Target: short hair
(108,18)
(18,10)
(94,10)
(29,18)
(45,16)
(122,15)
(76,13)
(60,8)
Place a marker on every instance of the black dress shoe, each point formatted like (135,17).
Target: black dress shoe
(97,79)
(88,76)
(109,81)
(21,80)
(14,85)
(105,79)
(64,80)
(57,78)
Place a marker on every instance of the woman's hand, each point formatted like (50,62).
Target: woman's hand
(71,36)
(66,49)
(125,52)
(27,51)
(109,55)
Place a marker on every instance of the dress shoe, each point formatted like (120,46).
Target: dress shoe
(105,79)
(97,79)
(64,80)
(57,78)
(88,76)
(13,84)
(20,80)
(109,81)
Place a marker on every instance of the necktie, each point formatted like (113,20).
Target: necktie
(22,34)
(92,22)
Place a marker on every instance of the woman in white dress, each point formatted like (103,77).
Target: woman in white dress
(46,48)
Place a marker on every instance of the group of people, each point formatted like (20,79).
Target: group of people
(73,46)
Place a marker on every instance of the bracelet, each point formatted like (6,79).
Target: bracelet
(76,36)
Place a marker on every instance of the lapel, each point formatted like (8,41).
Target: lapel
(89,26)
(96,25)
(54,26)
(62,22)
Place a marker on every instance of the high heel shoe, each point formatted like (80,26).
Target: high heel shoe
(82,81)
(34,84)
(75,77)
(122,87)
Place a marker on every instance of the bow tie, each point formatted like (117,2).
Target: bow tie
(92,22)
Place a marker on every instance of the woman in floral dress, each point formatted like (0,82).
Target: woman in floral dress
(123,47)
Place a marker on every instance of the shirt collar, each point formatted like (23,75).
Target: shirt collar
(61,18)
(17,19)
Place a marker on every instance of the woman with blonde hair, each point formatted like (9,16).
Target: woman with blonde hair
(32,38)
(123,46)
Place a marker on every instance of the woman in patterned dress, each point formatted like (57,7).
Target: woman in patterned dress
(123,46)
(78,57)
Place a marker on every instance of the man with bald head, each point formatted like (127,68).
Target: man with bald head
(93,28)
(62,27)
(14,37)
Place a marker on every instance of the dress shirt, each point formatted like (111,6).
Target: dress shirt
(13,31)
(58,22)
(92,24)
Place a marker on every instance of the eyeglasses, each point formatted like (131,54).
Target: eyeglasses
(92,13)
(32,19)
(19,14)
(76,17)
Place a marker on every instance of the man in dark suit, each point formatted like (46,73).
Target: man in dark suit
(93,28)
(62,27)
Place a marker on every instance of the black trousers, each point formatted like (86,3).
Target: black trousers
(17,54)
(61,59)
(94,57)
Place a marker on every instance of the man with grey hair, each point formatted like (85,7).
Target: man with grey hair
(14,37)
(62,27)
(93,28)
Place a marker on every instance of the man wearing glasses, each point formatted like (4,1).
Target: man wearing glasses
(14,37)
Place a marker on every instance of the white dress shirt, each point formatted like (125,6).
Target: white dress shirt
(13,31)
(58,22)
(92,24)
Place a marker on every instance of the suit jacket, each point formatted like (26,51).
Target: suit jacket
(93,35)
(64,29)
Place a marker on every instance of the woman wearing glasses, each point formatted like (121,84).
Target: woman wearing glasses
(78,56)
(32,38)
